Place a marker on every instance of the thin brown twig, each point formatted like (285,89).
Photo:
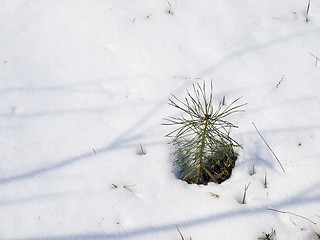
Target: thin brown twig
(308,7)
(285,212)
(169,11)
(253,172)
(142,152)
(214,195)
(316,57)
(180,233)
(245,193)
(268,147)
(280,82)
(128,186)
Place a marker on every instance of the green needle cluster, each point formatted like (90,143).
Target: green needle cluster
(204,150)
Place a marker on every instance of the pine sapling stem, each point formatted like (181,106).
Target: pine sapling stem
(202,147)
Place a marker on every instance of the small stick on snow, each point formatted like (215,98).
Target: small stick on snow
(316,57)
(142,152)
(308,7)
(129,186)
(253,172)
(265,180)
(223,100)
(214,195)
(180,233)
(245,193)
(280,81)
(268,147)
(169,11)
(285,212)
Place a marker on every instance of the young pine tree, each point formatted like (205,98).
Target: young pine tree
(204,150)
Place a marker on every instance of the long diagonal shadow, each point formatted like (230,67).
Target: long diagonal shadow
(116,144)
(121,141)
(299,198)
(244,51)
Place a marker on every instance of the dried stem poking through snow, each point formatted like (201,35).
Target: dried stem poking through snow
(307,14)
(245,193)
(316,57)
(268,147)
(285,212)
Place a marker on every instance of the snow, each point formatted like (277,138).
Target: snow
(84,83)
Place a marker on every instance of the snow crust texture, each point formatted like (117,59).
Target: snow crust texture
(84,83)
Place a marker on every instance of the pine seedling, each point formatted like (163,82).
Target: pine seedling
(204,150)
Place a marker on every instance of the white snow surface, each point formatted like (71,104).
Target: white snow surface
(84,82)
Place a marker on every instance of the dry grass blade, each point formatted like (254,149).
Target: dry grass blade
(280,82)
(169,11)
(129,186)
(308,8)
(214,195)
(297,215)
(245,193)
(268,147)
(253,171)
(316,58)
(142,152)
(180,233)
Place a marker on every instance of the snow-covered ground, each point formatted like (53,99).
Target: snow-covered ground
(84,82)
